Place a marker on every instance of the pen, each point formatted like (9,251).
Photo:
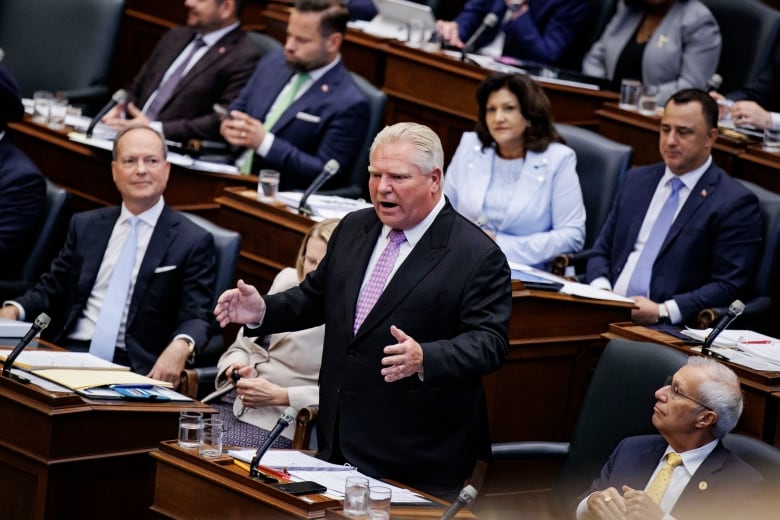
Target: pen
(757,342)
(262,469)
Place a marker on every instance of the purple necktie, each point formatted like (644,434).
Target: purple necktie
(639,285)
(376,282)
(165,91)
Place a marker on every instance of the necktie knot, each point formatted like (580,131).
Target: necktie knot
(673,459)
(396,236)
(676,184)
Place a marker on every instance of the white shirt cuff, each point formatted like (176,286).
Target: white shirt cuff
(265,145)
(602,282)
(18,307)
(675,316)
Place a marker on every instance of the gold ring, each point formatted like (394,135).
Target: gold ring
(243,135)
(241,397)
(606,499)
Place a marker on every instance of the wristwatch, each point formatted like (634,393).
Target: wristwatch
(191,347)
(663,313)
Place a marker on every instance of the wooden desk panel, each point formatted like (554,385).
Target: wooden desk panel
(59,452)
(760,167)
(760,389)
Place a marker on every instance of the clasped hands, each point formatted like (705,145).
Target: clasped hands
(245,305)
(116,118)
(632,505)
(243,130)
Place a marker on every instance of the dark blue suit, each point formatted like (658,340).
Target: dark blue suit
(22,201)
(329,121)
(164,304)
(764,89)
(542,34)
(716,490)
(710,253)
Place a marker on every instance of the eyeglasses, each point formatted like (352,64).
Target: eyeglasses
(151,162)
(676,391)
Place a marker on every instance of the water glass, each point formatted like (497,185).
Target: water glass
(41,103)
(629,94)
(648,100)
(268,185)
(772,139)
(416,33)
(212,438)
(190,429)
(57,112)
(356,496)
(379,499)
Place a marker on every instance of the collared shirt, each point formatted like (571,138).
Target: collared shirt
(209,39)
(314,75)
(662,191)
(85,326)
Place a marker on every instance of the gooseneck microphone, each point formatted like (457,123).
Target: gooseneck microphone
(330,169)
(465,497)
(40,323)
(714,83)
(735,309)
(285,420)
(488,22)
(119,97)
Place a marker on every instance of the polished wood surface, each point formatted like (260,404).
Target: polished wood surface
(86,172)
(760,416)
(65,456)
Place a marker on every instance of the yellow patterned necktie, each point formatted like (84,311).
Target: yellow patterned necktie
(661,481)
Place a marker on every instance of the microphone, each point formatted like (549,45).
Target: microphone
(735,309)
(714,82)
(330,169)
(488,22)
(40,323)
(285,420)
(465,497)
(119,97)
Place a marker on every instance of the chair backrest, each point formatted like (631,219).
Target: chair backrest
(618,403)
(601,164)
(749,30)
(764,457)
(358,176)
(264,42)
(770,223)
(228,246)
(599,14)
(52,224)
(60,45)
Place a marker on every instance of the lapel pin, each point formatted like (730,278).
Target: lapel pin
(662,40)
(703,485)
(703,193)
(324,88)
(222,50)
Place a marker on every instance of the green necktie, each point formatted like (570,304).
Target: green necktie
(276,112)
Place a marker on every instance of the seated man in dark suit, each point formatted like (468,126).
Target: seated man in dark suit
(131,284)
(682,235)
(684,472)
(534,30)
(301,107)
(416,301)
(208,61)
(758,102)
(22,187)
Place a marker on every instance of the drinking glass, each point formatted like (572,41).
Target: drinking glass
(648,100)
(41,103)
(356,496)
(268,185)
(629,94)
(190,429)
(212,438)
(379,499)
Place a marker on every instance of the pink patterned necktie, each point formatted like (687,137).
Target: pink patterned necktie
(376,282)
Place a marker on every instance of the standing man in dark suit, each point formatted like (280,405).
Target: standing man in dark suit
(22,187)
(682,235)
(301,108)
(401,381)
(162,315)
(217,59)
(699,405)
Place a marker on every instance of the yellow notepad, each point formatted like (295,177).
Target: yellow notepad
(81,379)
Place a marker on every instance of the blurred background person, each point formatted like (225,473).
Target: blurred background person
(535,30)
(361,9)
(672,44)
(279,370)
(512,176)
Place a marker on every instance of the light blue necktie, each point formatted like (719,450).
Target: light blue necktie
(639,285)
(110,317)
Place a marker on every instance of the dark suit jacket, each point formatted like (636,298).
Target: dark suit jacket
(765,89)
(452,295)
(164,304)
(22,201)
(712,249)
(362,9)
(728,478)
(542,34)
(329,121)
(216,78)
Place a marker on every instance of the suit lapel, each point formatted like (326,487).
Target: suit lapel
(690,501)
(314,96)
(644,194)
(172,52)
(162,236)
(706,186)
(221,48)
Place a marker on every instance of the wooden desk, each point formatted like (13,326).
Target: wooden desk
(555,340)
(760,389)
(189,486)
(65,456)
(760,167)
(86,172)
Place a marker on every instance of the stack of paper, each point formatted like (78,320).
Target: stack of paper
(323,206)
(743,347)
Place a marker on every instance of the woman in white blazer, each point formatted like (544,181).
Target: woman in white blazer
(279,373)
(673,44)
(513,179)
